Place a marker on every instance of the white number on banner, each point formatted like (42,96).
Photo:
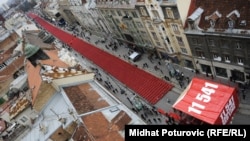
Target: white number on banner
(205,97)
(194,108)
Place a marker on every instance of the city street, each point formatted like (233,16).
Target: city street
(154,66)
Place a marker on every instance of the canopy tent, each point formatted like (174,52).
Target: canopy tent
(208,101)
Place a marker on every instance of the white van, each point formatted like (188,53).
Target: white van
(135,56)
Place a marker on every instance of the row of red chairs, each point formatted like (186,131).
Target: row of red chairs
(143,83)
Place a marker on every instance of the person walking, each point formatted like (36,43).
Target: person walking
(244,96)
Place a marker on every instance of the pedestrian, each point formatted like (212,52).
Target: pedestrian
(180,83)
(149,121)
(155,120)
(159,119)
(244,96)
(161,71)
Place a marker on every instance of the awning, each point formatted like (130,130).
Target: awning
(208,101)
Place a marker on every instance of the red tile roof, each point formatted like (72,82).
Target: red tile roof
(99,127)
(84,99)
(34,76)
(54,59)
(2,125)
(12,68)
(6,54)
(34,79)
(225,7)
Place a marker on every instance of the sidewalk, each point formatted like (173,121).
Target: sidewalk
(123,52)
(162,72)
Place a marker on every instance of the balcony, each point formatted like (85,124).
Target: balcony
(156,20)
(241,64)
(217,58)
(201,57)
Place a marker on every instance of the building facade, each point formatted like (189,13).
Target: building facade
(65,12)
(147,26)
(124,22)
(218,34)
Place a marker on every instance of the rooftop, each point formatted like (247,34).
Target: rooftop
(222,16)
(68,104)
(93,104)
(88,103)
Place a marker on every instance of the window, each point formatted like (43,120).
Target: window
(205,68)
(225,43)
(107,12)
(180,41)
(215,55)
(128,1)
(134,14)
(172,50)
(113,12)
(154,35)
(128,24)
(89,16)
(212,23)
(175,28)
(231,24)
(237,75)
(183,50)
(167,40)
(191,25)
(119,13)
(150,26)
(226,58)
(240,60)
(194,41)
(211,42)
(221,72)
(155,15)
(143,11)
(238,46)
(162,28)
(139,24)
(24,119)
(143,32)
(126,13)
(117,21)
(189,64)
(200,54)
(158,44)
(169,13)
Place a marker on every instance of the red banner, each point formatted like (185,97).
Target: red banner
(208,101)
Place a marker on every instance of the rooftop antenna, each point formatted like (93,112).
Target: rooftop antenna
(71,112)
(62,120)
(43,128)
